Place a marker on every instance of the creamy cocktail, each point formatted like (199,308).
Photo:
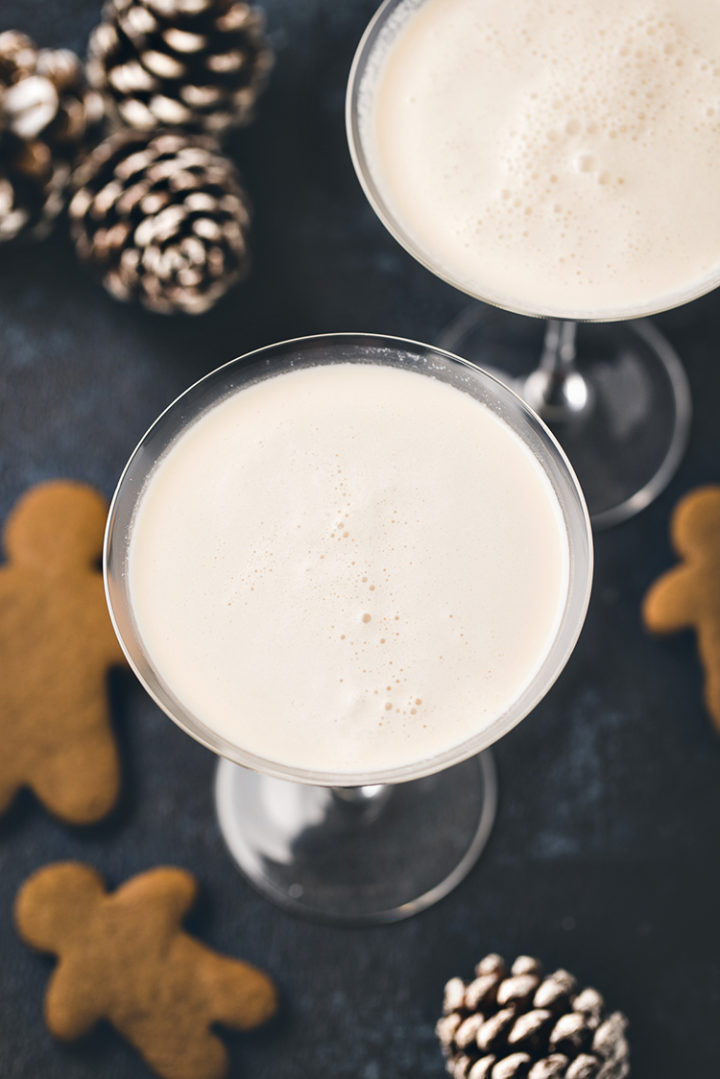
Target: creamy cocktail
(557,160)
(331,568)
(348,561)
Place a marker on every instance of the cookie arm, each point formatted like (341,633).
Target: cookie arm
(8,790)
(237,994)
(165,893)
(671,603)
(104,641)
(115,657)
(80,782)
(112,653)
(74,1002)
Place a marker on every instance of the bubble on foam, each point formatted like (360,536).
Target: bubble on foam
(585,162)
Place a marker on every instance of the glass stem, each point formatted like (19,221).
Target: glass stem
(559,347)
(556,390)
(366,802)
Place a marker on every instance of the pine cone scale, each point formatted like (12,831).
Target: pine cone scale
(531,1029)
(584,1066)
(482,1069)
(492,1035)
(551,1067)
(201,97)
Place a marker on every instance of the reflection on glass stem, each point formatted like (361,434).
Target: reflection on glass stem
(557,390)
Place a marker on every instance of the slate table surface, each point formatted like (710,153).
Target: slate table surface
(605,855)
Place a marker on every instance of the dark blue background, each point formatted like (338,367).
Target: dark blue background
(605,855)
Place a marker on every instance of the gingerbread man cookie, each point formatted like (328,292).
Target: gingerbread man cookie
(124,957)
(56,645)
(688,597)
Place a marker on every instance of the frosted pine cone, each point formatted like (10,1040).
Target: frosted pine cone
(519,1024)
(162,220)
(187,64)
(47,116)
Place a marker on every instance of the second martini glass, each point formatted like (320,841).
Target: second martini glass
(381,843)
(613,390)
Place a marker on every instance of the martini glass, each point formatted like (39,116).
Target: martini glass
(610,386)
(353,847)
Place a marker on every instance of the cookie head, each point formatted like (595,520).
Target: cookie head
(54,902)
(696,525)
(57,526)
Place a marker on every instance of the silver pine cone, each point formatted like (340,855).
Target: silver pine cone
(191,65)
(517,1023)
(163,220)
(47,116)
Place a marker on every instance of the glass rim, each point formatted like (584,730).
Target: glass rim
(569,626)
(367,179)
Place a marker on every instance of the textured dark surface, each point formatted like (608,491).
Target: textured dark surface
(605,853)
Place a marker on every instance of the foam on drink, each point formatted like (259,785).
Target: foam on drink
(349,567)
(556,157)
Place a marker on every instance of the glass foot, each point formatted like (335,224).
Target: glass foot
(357,855)
(628,426)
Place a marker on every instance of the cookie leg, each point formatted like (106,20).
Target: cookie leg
(243,997)
(709,640)
(181,1049)
(80,782)
(72,1005)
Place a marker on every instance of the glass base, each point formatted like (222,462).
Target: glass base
(360,855)
(628,411)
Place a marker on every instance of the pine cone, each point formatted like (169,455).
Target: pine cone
(163,220)
(198,65)
(47,115)
(518,1024)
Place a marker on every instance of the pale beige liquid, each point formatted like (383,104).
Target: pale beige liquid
(554,157)
(348,568)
